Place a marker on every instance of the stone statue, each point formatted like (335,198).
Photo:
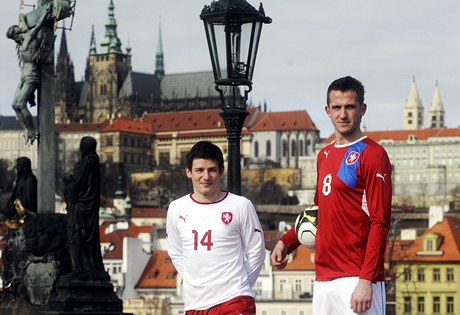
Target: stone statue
(25,188)
(82,195)
(28,43)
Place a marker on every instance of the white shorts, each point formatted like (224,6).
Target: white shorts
(333,297)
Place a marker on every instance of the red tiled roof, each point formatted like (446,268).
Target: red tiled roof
(208,119)
(148,213)
(292,120)
(80,127)
(116,238)
(302,259)
(448,229)
(122,124)
(403,135)
(159,272)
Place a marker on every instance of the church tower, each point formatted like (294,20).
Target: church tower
(159,58)
(413,110)
(436,111)
(105,73)
(66,100)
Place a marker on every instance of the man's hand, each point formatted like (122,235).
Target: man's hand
(361,298)
(278,256)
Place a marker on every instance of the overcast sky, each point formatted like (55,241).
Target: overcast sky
(309,43)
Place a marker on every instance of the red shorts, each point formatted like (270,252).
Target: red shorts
(240,305)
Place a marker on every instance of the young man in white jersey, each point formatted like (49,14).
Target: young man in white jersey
(353,194)
(214,240)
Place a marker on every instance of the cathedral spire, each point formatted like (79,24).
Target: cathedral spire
(436,111)
(63,51)
(413,109)
(92,44)
(111,43)
(159,57)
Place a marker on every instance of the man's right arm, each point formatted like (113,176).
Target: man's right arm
(286,245)
(174,242)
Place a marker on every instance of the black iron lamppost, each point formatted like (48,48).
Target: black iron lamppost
(233,29)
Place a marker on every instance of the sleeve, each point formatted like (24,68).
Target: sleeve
(377,176)
(174,242)
(291,240)
(253,243)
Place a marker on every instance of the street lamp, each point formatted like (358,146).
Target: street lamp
(233,29)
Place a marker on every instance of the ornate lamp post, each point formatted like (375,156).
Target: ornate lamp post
(233,29)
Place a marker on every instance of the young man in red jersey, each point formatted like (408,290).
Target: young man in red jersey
(215,240)
(353,194)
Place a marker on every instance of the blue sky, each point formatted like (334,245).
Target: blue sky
(309,43)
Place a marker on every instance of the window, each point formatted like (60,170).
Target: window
(407,274)
(164,159)
(298,285)
(268,148)
(109,141)
(436,304)
(282,283)
(450,305)
(301,148)
(436,274)
(407,305)
(109,158)
(293,148)
(285,148)
(420,304)
(429,245)
(421,274)
(183,160)
(258,288)
(256,149)
(154,274)
(450,274)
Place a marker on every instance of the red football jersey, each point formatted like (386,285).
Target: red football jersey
(354,197)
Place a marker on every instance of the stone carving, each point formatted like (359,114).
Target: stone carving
(82,194)
(28,44)
(40,277)
(25,188)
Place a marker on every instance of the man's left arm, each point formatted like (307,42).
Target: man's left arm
(378,187)
(253,243)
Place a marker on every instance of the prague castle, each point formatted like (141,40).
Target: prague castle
(111,88)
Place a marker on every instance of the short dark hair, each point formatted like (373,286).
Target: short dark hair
(205,150)
(347,84)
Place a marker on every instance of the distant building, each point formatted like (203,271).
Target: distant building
(111,88)
(425,164)
(12,142)
(413,110)
(427,271)
(282,138)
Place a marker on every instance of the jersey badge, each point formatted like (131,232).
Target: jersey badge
(352,157)
(227,217)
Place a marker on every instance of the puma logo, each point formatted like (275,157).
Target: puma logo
(183,218)
(378,175)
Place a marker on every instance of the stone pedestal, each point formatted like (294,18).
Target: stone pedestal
(85,297)
(38,278)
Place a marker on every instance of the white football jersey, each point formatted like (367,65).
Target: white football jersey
(218,248)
